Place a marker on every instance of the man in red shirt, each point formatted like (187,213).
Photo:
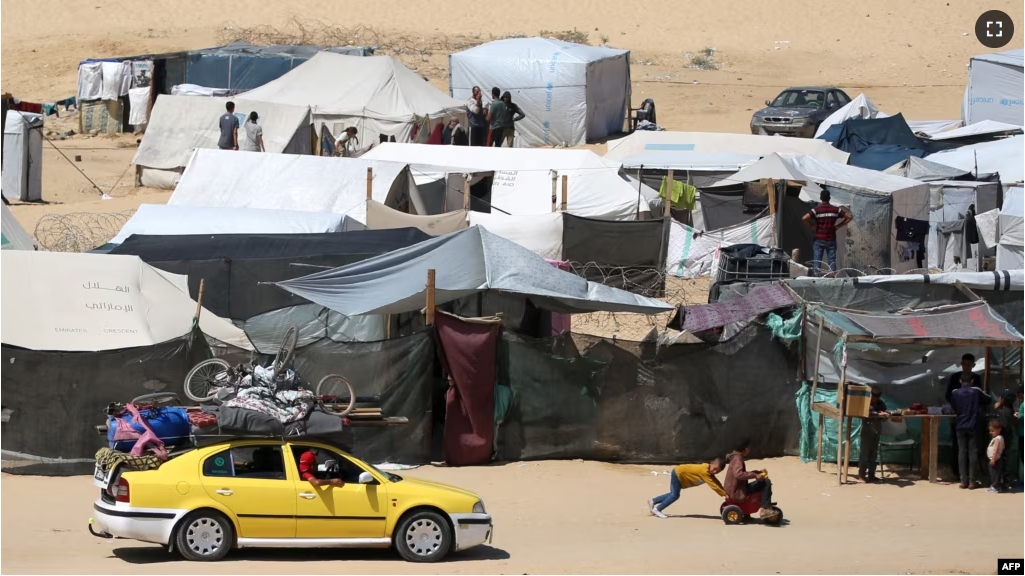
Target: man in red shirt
(825,219)
(308,469)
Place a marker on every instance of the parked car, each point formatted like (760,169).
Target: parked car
(798,111)
(249,494)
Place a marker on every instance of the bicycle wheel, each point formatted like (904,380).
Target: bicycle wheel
(283,359)
(206,378)
(156,400)
(327,386)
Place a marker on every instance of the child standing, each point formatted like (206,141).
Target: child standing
(995,453)
(688,476)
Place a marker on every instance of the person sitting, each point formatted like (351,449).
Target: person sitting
(308,471)
(688,476)
(740,483)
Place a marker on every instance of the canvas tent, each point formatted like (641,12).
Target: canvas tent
(995,86)
(180,125)
(926,170)
(719,143)
(520,179)
(1010,244)
(14,236)
(949,201)
(571,93)
(1000,156)
(377,95)
(381,217)
(860,107)
(161,219)
(23,156)
(228,179)
(467,262)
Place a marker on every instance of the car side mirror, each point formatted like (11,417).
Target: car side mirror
(767,103)
(367,478)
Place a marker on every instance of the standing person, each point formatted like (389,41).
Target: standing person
(996,452)
(1021,433)
(476,119)
(515,115)
(347,144)
(687,476)
(968,401)
(1006,416)
(740,483)
(498,116)
(871,430)
(953,383)
(253,142)
(229,129)
(825,219)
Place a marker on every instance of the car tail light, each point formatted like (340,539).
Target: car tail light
(121,493)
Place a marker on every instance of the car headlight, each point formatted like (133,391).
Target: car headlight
(478,508)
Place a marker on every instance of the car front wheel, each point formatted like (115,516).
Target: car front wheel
(423,537)
(205,536)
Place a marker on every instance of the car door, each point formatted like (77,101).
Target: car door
(351,511)
(251,481)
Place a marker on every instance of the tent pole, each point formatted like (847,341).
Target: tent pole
(814,386)
(370,183)
(985,377)
(199,300)
(667,202)
(640,179)
(565,192)
(1003,372)
(466,193)
(430,297)
(555,188)
(841,401)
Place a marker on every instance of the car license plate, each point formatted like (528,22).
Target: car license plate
(100,477)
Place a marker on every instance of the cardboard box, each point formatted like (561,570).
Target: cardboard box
(859,398)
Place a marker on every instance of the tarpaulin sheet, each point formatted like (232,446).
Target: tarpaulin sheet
(723,207)
(693,253)
(233,265)
(540,233)
(401,371)
(469,353)
(14,236)
(638,402)
(467,262)
(622,254)
(381,217)
(759,300)
(972,322)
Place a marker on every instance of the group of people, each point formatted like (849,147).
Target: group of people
(491,124)
(252,132)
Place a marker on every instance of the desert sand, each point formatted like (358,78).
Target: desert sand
(588,517)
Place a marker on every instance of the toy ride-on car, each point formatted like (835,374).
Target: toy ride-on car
(733,512)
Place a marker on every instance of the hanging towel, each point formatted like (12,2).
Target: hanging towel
(683,196)
(90,83)
(138,111)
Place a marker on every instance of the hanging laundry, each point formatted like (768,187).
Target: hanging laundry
(950,236)
(911,229)
(684,196)
(90,81)
(31,107)
(68,103)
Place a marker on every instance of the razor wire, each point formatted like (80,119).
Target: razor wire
(79,231)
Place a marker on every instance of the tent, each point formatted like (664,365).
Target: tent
(692,253)
(520,182)
(57,301)
(161,219)
(467,262)
(381,217)
(23,156)
(1010,245)
(877,143)
(539,233)
(860,107)
(14,236)
(1003,157)
(926,170)
(875,200)
(985,130)
(950,201)
(228,179)
(571,93)
(995,86)
(179,125)
(376,94)
(719,143)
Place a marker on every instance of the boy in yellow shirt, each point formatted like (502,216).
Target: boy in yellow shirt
(688,476)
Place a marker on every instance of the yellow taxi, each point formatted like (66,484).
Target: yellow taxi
(269,494)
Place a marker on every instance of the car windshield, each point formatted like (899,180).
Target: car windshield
(391,477)
(799,99)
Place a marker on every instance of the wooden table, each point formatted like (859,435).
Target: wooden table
(930,441)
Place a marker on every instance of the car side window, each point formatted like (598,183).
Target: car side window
(264,462)
(842,98)
(331,464)
(831,99)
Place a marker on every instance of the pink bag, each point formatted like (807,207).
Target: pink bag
(147,440)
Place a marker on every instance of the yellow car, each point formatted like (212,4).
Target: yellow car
(252,494)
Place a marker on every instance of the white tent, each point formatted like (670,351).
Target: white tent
(982,128)
(23,156)
(228,179)
(179,125)
(377,95)
(860,107)
(949,201)
(14,236)
(773,167)
(163,220)
(539,233)
(719,143)
(570,93)
(87,302)
(995,86)
(1000,156)
(1010,243)
(522,178)
(875,200)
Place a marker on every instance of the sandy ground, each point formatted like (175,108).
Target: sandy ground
(588,517)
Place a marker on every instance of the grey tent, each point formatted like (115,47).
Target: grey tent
(925,170)
(23,156)
(466,262)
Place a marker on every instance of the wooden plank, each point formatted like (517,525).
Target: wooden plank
(826,409)
(667,202)
(370,183)
(555,186)
(847,450)
(199,301)
(934,447)
(923,457)
(430,297)
(818,458)
(466,194)
(841,400)
(772,196)
(565,192)
(985,375)
(818,358)
(938,341)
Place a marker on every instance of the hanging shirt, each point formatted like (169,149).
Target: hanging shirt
(684,196)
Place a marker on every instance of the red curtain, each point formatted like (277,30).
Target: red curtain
(469,354)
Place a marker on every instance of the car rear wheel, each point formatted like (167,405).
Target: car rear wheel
(205,536)
(423,537)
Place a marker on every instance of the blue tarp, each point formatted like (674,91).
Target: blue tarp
(878,143)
